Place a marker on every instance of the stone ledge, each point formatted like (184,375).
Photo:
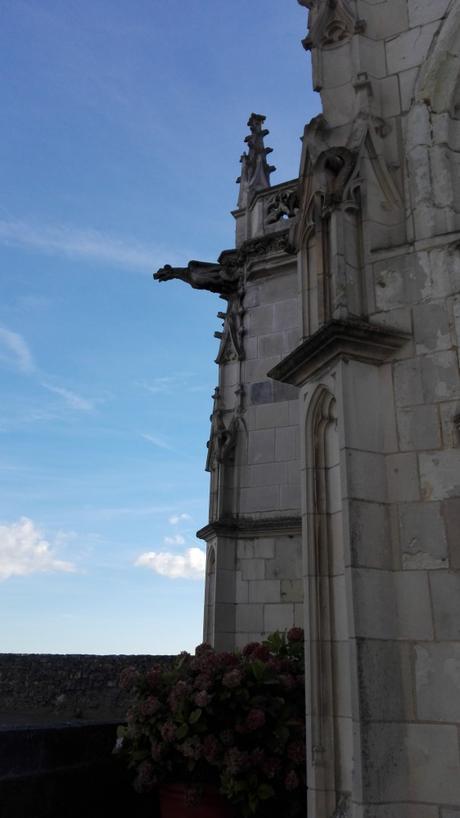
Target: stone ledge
(352,338)
(240,527)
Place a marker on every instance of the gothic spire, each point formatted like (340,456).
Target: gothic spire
(255,170)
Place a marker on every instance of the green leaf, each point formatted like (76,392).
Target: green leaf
(265,792)
(195,715)
(182,731)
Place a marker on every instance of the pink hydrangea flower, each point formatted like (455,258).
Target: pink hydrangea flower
(255,719)
(295,635)
(291,782)
(233,678)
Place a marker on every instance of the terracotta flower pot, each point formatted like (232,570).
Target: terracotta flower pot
(173,804)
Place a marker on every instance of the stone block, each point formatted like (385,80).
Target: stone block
(286,314)
(402,478)
(260,320)
(419,428)
(241,589)
(431,327)
(224,617)
(440,376)
(450,813)
(437,675)
(392,605)
(294,413)
(410,48)
(384,19)
(299,616)
(366,476)
(278,617)
(386,683)
(261,392)
(257,548)
(287,563)
(267,590)
(445,592)
(450,510)
(389,97)
(370,535)
(423,538)
(256,370)
(285,391)
(249,618)
(290,497)
(397,318)
(252,569)
(251,348)
(268,474)
(279,288)
(425,11)
(271,415)
(408,382)
(287,443)
(405,810)
(261,446)
(411,762)
(258,499)
(450,411)
(291,590)
(242,639)
(252,296)
(440,474)
(274,344)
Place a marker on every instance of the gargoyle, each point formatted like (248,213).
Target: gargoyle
(203,275)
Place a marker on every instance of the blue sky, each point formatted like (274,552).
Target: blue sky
(123,124)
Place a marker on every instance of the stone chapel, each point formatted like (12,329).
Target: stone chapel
(334,453)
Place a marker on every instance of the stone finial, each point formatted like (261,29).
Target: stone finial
(255,170)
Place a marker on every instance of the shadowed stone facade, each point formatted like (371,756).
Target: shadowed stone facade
(335,442)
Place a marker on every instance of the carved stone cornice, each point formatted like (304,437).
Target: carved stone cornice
(353,338)
(242,527)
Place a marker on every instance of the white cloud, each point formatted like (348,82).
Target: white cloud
(73,400)
(178,518)
(176,539)
(93,245)
(23,551)
(157,441)
(14,350)
(190,565)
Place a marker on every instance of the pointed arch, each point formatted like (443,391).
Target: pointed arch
(327,630)
(210,596)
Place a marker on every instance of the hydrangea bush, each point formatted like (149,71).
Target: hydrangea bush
(232,720)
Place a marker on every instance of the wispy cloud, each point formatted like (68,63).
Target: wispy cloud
(73,400)
(155,440)
(15,351)
(179,518)
(176,539)
(190,565)
(24,551)
(92,245)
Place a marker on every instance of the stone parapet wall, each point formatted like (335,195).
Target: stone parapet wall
(53,688)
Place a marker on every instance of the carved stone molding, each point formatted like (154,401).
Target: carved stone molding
(352,338)
(241,528)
